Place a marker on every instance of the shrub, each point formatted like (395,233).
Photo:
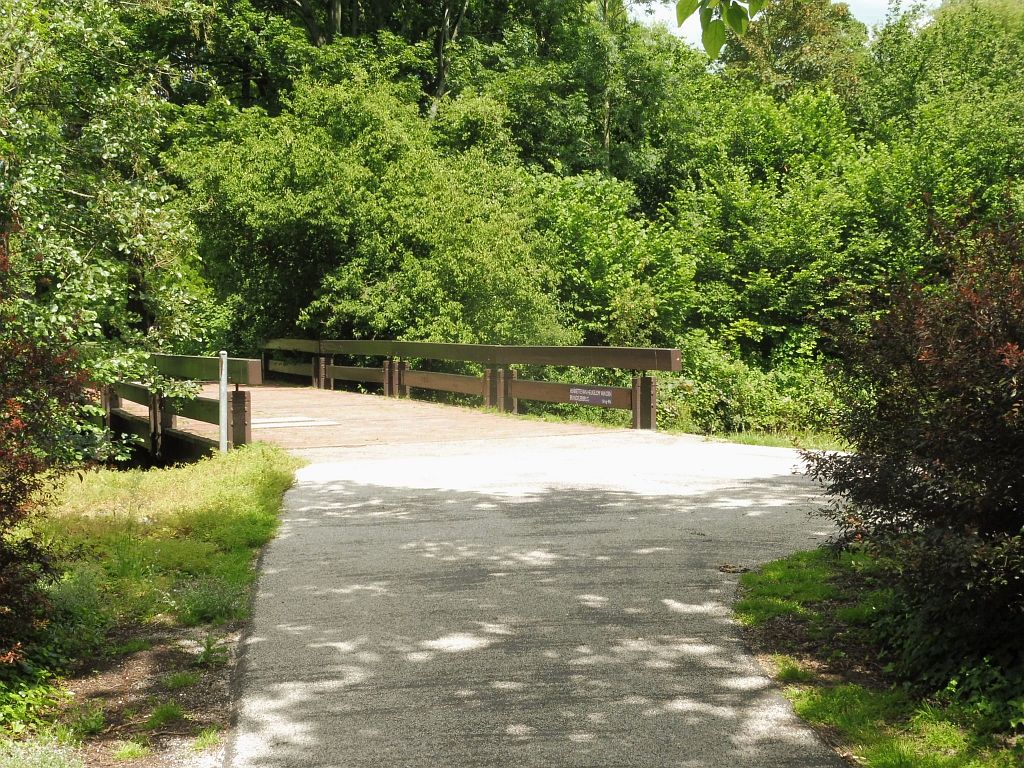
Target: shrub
(935,408)
(41,386)
(719,392)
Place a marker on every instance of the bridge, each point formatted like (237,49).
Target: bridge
(175,428)
(457,587)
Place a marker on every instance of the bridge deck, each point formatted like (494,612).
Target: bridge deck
(303,417)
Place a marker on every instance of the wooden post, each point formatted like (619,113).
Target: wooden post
(505,402)
(387,378)
(492,377)
(266,364)
(648,403)
(167,419)
(636,402)
(401,390)
(155,424)
(511,403)
(110,400)
(240,418)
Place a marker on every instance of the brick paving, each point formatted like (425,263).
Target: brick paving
(303,417)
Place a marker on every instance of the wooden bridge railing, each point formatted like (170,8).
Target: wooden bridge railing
(159,431)
(499,387)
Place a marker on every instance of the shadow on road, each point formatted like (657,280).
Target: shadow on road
(553,627)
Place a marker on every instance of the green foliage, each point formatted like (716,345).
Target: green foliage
(80,617)
(887,729)
(622,282)
(25,705)
(207,738)
(933,409)
(134,545)
(96,246)
(788,670)
(410,241)
(212,654)
(719,392)
(796,43)
(209,600)
(42,402)
(84,721)
(130,647)
(877,723)
(716,16)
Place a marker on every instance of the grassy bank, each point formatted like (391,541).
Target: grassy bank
(156,569)
(809,617)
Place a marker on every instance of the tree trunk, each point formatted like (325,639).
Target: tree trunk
(447,34)
(334,17)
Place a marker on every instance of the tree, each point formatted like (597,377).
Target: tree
(343,216)
(95,240)
(800,43)
(968,48)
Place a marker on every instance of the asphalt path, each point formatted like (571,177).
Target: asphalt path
(548,601)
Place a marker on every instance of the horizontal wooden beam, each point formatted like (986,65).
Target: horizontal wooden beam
(294,345)
(627,358)
(240,370)
(295,369)
(180,445)
(472,353)
(136,393)
(585,394)
(355,373)
(444,382)
(205,409)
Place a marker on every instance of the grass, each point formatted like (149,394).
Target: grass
(139,548)
(175,542)
(130,750)
(208,737)
(804,440)
(212,654)
(180,680)
(84,721)
(809,612)
(808,441)
(164,714)
(785,588)
(789,670)
(131,646)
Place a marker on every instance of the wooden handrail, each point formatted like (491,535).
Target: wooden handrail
(499,385)
(240,370)
(625,358)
